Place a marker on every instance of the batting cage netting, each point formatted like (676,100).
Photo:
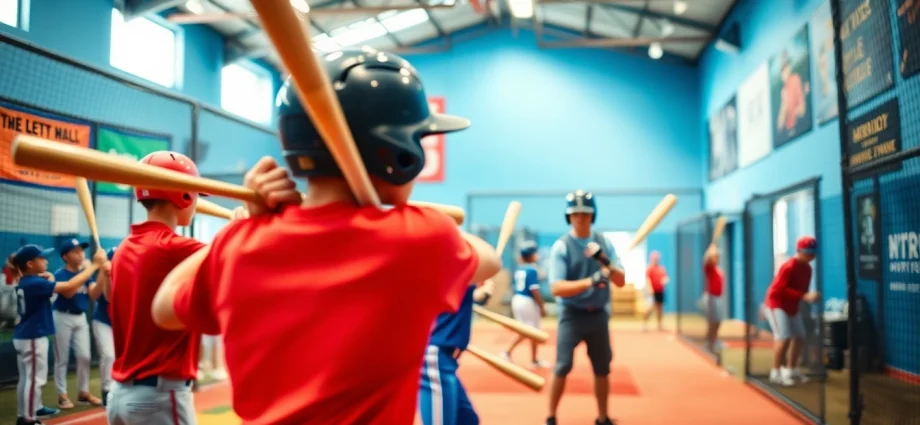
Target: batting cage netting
(773,224)
(877,60)
(82,105)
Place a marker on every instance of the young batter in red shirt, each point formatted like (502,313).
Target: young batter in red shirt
(656,277)
(326,307)
(712,296)
(785,294)
(153,368)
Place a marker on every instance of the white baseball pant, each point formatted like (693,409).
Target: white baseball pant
(71,329)
(526,310)
(32,358)
(169,403)
(105,344)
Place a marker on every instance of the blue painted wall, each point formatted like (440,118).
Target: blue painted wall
(764,27)
(562,119)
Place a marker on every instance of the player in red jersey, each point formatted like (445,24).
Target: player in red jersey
(153,368)
(781,306)
(656,277)
(712,296)
(346,294)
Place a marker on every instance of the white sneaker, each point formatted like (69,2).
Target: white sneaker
(779,378)
(797,375)
(506,356)
(540,364)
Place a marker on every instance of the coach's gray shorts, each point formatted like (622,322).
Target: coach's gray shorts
(785,326)
(591,327)
(170,403)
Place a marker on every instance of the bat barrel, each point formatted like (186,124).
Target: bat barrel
(519,374)
(47,155)
(513,325)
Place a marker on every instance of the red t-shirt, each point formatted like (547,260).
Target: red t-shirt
(795,96)
(142,349)
(656,275)
(714,279)
(325,312)
(789,286)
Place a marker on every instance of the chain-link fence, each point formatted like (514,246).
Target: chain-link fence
(783,335)
(878,59)
(79,104)
(709,326)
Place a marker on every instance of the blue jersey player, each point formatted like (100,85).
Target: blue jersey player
(527,302)
(30,338)
(71,327)
(442,399)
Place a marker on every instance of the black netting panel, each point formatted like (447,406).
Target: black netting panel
(879,45)
(692,239)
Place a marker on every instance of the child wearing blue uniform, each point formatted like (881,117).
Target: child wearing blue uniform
(442,398)
(527,302)
(71,326)
(30,338)
(102,328)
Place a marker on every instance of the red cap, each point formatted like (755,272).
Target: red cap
(171,161)
(807,245)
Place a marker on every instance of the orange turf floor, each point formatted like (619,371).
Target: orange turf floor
(657,380)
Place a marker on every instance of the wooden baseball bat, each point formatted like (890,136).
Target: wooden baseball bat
(48,155)
(511,216)
(717,230)
(209,208)
(524,376)
(653,219)
(86,201)
(292,41)
(514,325)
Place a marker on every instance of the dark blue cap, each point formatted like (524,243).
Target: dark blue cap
(528,248)
(70,245)
(28,253)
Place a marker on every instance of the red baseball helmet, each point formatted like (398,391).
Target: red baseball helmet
(171,161)
(807,245)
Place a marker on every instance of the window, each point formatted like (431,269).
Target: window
(247,91)
(144,48)
(9,12)
(369,29)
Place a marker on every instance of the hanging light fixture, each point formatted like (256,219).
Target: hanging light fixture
(655,51)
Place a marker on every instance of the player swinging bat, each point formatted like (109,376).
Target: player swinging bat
(712,290)
(337,274)
(70,322)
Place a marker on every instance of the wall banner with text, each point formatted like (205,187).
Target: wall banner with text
(723,141)
(869,230)
(821,33)
(129,145)
(865,36)
(874,135)
(790,90)
(14,121)
(433,172)
(754,135)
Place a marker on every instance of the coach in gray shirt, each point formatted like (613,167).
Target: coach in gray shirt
(582,265)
